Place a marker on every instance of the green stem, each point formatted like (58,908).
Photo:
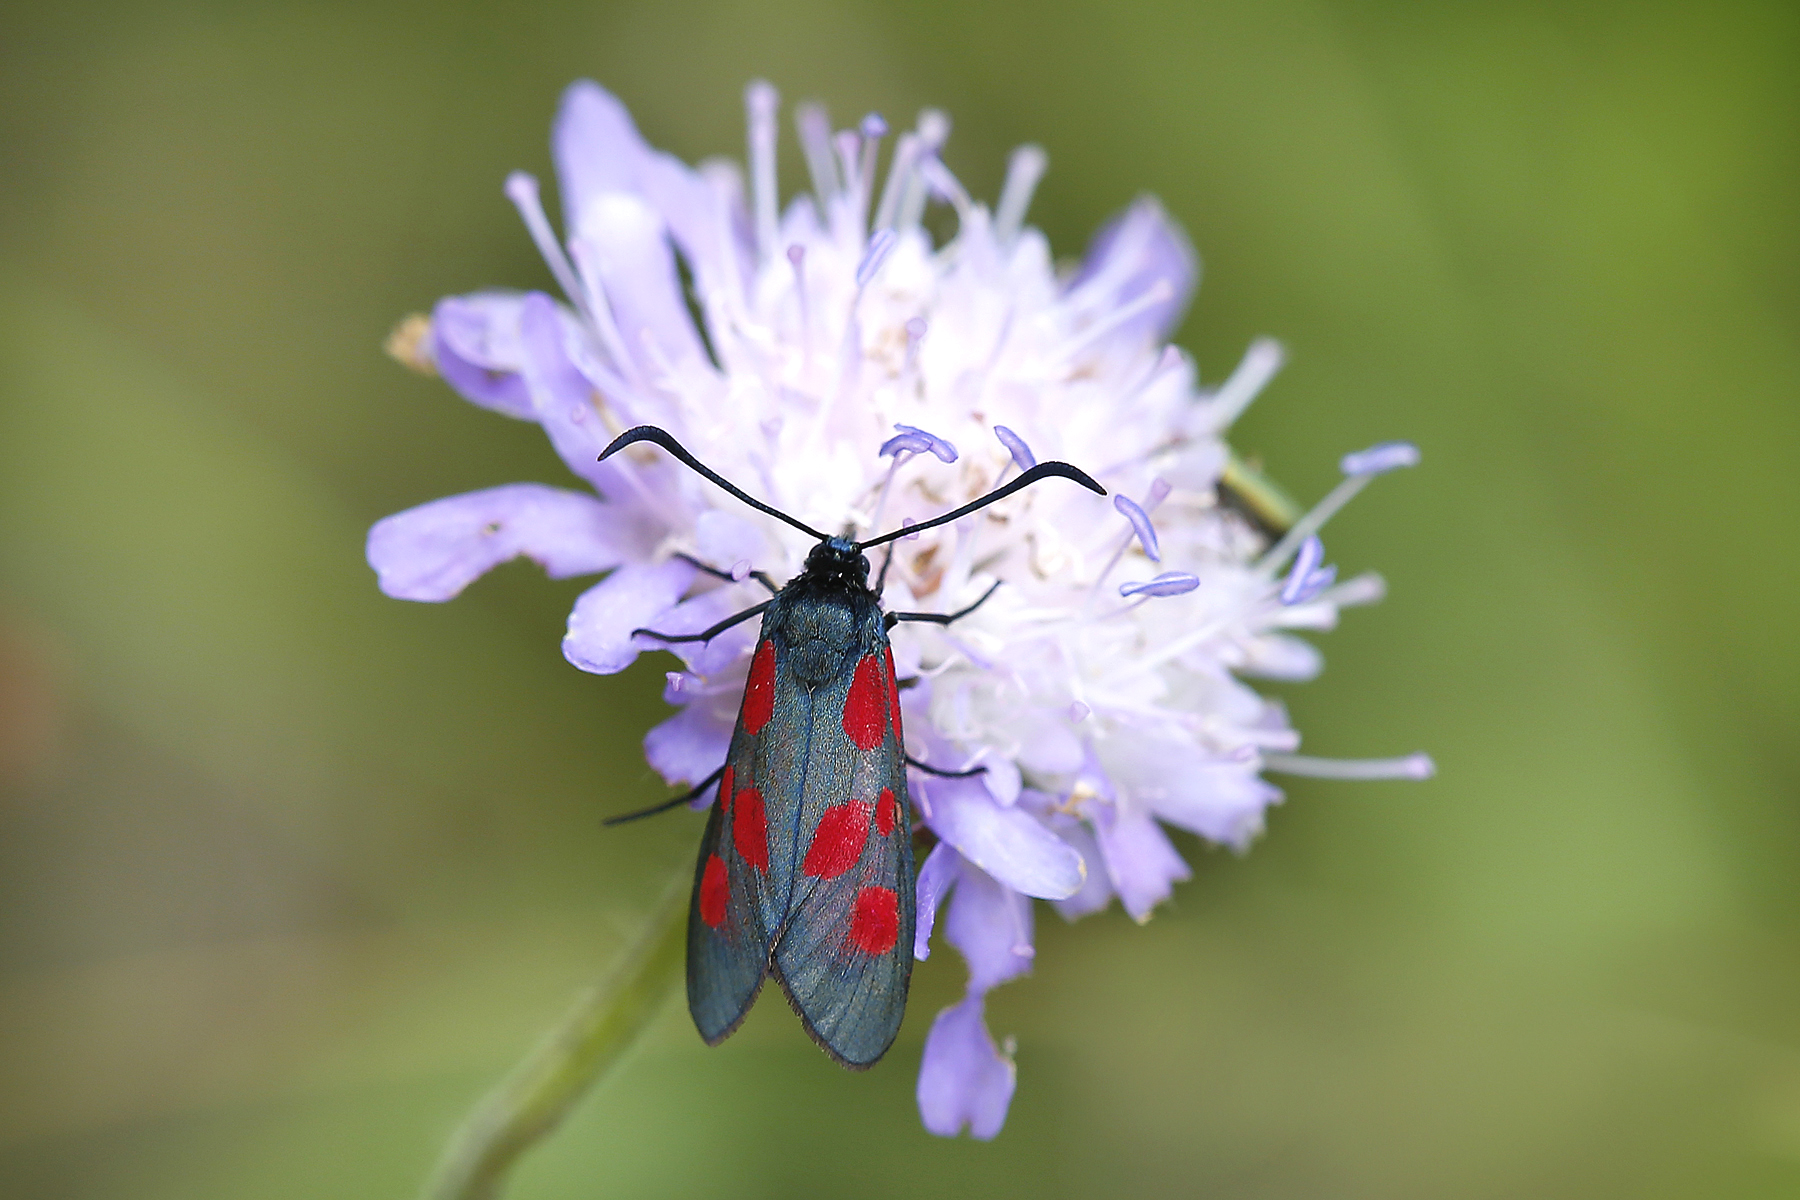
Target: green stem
(588,1043)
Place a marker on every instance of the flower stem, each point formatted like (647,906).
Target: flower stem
(577,1053)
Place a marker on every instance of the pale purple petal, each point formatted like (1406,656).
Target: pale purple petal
(620,237)
(690,745)
(1096,891)
(1220,801)
(562,398)
(1049,747)
(1001,779)
(1277,656)
(598,149)
(700,613)
(963,1077)
(723,539)
(434,551)
(633,597)
(1132,254)
(1142,864)
(1007,843)
(941,869)
(991,925)
(475,344)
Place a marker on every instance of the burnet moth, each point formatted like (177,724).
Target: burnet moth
(805,872)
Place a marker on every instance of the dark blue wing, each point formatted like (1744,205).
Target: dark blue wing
(735,906)
(843,952)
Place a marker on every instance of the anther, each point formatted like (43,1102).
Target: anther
(1140,525)
(1169,583)
(1380,459)
(1015,446)
(918,441)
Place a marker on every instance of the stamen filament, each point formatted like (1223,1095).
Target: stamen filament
(522,190)
(814,128)
(1311,523)
(1023,171)
(1253,372)
(1412,766)
(760,102)
(1159,292)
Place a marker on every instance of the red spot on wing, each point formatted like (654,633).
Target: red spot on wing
(714,892)
(875,921)
(865,708)
(887,812)
(893,690)
(759,692)
(725,789)
(838,842)
(750,829)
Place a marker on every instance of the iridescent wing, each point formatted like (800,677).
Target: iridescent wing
(734,909)
(843,952)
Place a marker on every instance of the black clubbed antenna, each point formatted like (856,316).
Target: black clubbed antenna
(1043,470)
(650,433)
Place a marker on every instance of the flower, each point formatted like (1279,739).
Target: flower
(830,358)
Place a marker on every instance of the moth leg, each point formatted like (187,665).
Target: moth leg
(692,793)
(894,618)
(942,774)
(761,577)
(715,631)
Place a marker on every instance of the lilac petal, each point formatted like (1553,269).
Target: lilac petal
(1007,843)
(633,597)
(1142,864)
(1130,255)
(620,238)
(1015,446)
(918,441)
(1096,891)
(563,398)
(942,868)
(690,745)
(991,925)
(1380,458)
(434,551)
(475,343)
(597,149)
(1220,801)
(1169,583)
(1277,656)
(1140,525)
(699,613)
(1049,747)
(963,1077)
(1001,779)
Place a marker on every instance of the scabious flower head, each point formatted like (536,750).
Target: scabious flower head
(829,357)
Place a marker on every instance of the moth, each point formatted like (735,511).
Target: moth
(805,872)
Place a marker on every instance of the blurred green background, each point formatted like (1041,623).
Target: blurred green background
(289,872)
